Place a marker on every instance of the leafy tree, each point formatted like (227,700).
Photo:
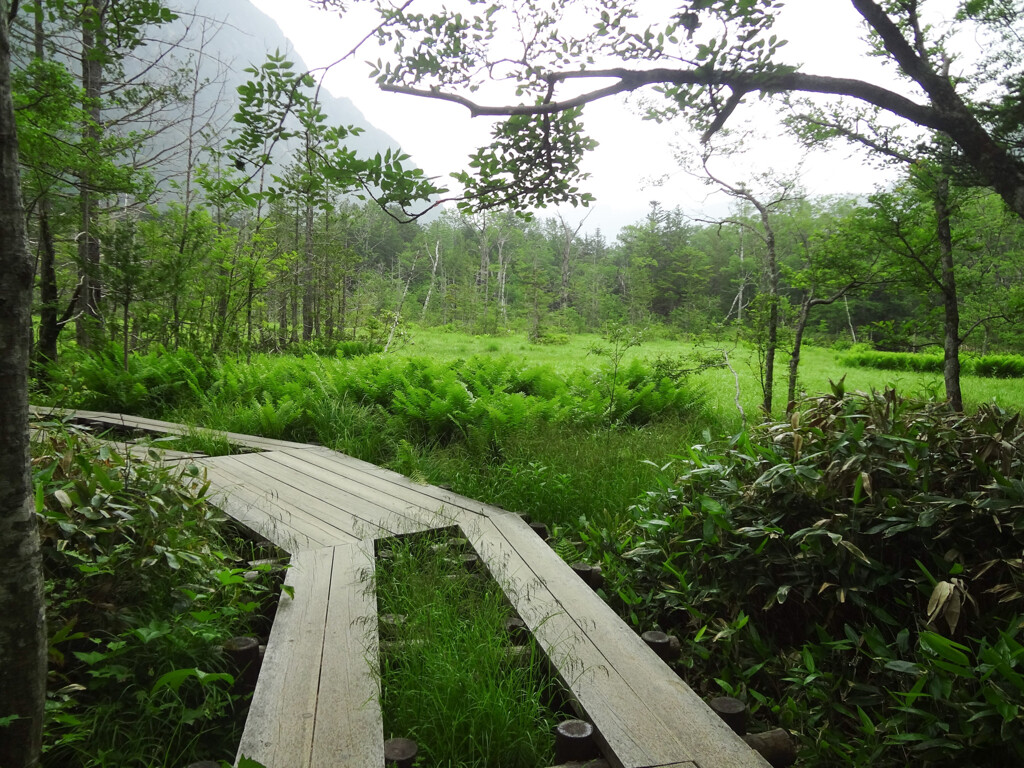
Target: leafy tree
(702,60)
(836,261)
(778,192)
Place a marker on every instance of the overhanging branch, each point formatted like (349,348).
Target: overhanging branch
(741,83)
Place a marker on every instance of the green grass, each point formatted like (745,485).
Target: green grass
(197,440)
(449,677)
(520,425)
(817,367)
(558,475)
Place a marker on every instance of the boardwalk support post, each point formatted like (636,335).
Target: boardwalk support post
(776,746)
(400,753)
(574,740)
(667,647)
(244,655)
(732,711)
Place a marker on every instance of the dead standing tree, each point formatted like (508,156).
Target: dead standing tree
(778,192)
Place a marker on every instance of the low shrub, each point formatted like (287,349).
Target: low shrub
(854,573)
(990,366)
(999,366)
(893,361)
(141,591)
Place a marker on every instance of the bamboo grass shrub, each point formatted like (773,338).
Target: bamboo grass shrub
(988,366)
(142,589)
(854,573)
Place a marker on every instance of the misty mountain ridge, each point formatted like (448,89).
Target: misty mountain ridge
(222,38)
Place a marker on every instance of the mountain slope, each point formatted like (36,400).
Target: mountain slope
(244,39)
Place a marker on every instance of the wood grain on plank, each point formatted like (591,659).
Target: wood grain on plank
(359,517)
(378,507)
(249,499)
(349,731)
(400,486)
(644,711)
(279,729)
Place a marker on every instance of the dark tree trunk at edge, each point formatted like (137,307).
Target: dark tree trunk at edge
(22,626)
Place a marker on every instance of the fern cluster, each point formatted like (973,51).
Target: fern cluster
(151,384)
(480,400)
(989,366)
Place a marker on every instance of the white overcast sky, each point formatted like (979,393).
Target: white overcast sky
(822,34)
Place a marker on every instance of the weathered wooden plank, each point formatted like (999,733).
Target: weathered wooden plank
(165,427)
(318,499)
(399,486)
(630,733)
(415,513)
(316,704)
(643,711)
(248,499)
(279,729)
(349,728)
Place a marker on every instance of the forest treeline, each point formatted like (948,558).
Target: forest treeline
(153,223)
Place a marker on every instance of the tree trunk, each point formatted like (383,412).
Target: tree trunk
(503,260)
(798,340)
(344,308)
(483,274)
(88,244)
(282,320)
(125,317)
(849,320)
(250,295)
(951,309)
(49,328)
(773,312)
(435,259)
(743,284)
(294,339)
(223,300)
(307,274)
(22,618)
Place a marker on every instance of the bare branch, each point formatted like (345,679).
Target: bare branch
(740,82)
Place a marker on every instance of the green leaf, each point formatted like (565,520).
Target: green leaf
(945,649)
(854,550)
(906,667)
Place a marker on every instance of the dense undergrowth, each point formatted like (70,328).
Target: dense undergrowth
(143,585)
(854,573)
(551,444)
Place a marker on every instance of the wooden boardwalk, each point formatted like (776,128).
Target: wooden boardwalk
(316,702)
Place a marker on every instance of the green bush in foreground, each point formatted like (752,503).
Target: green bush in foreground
(141,593)
(855,574)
